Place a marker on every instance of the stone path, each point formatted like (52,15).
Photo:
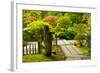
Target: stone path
(71,52)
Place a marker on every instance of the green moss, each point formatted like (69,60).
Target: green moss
(84,51)
(36,58)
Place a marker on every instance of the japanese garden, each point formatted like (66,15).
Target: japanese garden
(55,36)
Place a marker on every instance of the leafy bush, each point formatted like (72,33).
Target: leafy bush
(61,35)
(64,22)
(28,20)
(38,25)
(26,35)
(34,29)
(69,35)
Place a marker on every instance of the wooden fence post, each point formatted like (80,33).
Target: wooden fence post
(33,48)
(30,48)
(26,49)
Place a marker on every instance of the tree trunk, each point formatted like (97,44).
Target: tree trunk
(49,44)
(47,40)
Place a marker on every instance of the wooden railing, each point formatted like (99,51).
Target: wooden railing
(30,48)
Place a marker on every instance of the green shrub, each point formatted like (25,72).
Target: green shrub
(68,35)
(61,35)
(34,30)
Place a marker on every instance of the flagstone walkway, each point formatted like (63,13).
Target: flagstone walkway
(71,52)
